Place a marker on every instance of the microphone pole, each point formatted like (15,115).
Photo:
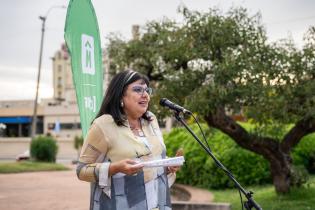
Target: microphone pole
(250,203)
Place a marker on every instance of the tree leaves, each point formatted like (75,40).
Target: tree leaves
(211,60)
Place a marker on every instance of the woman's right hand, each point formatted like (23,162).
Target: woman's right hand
(126,166)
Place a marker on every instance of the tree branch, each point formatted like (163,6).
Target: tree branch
(264,146)
(294,136)
(154,76)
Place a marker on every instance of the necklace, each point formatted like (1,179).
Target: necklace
(136,130)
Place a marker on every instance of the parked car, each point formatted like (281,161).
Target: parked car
(23,156)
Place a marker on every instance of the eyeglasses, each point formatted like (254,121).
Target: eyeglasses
(140,90)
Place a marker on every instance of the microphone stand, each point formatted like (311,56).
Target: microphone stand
(250,203)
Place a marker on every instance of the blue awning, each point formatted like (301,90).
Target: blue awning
(13,120)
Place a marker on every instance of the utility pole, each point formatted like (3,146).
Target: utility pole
(43,19)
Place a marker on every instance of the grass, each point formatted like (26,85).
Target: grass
(298,199)
(29,166)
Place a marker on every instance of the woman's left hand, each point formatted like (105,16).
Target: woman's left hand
(174,169)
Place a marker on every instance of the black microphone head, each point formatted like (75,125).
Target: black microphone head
(162,101)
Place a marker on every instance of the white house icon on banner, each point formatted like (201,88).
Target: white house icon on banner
(87,57)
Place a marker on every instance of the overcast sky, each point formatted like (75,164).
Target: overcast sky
(21,30)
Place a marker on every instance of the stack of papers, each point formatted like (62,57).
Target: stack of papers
(175,161)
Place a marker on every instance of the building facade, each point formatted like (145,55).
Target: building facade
(57,116)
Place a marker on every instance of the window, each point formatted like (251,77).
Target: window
(59,81)
(65,126)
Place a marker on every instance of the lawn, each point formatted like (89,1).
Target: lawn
(298,199)
(29,166)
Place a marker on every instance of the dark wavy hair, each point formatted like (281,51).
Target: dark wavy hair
(114,93)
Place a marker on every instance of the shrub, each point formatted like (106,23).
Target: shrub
(44,148)
(247,167)
(200,169)
(304,153)
(299,175)
(78,142)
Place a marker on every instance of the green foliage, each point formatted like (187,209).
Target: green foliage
(299,176)
(44,148)
(247,167)
(223,60)
(304,153)
(78,142)
(200,169)
(297,199)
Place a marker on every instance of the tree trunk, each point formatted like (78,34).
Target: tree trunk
(280,168)
(276,152)
(271,149)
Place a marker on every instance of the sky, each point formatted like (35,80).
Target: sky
(21,31)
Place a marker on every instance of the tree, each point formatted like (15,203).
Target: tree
(219,65)
(78,142)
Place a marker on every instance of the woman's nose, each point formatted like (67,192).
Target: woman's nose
(145,94)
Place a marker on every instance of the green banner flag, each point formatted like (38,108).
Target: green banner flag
(83,42)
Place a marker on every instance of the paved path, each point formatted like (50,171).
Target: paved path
(197,195)
(58,190)
(43,190)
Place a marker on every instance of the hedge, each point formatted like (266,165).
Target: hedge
(248,168)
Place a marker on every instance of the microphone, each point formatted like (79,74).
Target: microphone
(167,103)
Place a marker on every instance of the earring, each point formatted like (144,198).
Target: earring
(122,104)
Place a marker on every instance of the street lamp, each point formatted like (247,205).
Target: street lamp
(43,19)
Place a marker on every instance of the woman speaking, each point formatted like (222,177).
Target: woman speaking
(122,136)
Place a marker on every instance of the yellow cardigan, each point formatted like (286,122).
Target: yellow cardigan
(106,142)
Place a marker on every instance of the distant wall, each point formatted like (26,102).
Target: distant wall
(11,147)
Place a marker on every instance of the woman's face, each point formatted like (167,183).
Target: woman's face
(136,99)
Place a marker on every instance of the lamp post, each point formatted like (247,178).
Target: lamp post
(43,19)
